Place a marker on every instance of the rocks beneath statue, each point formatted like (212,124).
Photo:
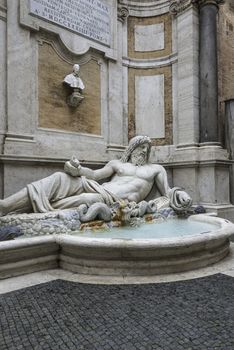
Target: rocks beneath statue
(97,216)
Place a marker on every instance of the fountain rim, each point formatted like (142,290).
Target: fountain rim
(225,230)
(116,257)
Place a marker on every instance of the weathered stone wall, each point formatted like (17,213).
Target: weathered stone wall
(54,111)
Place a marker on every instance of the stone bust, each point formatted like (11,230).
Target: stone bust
(74,80)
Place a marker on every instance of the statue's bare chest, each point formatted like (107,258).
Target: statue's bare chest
(144,172)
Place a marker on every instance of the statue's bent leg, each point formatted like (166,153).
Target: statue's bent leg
(75,201)
(17,203)
(56,187)
(36,196)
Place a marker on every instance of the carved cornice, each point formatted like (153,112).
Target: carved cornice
(210,2)
(123,13)
(178,6)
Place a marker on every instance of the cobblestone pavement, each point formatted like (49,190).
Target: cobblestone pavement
(193,314)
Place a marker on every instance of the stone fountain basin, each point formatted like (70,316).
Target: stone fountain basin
(117,257)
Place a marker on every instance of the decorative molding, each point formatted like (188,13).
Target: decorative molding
(19,138)
(145,8)
(64,52)
(116,148)
(122,13)
(210,2)
(150,63)
(178,6)
(37,160)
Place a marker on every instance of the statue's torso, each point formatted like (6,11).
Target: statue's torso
(132,182)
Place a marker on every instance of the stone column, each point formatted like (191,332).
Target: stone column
(208,71)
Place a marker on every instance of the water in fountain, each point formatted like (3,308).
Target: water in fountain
(160,230)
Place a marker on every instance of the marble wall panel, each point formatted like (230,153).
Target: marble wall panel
(134,117)
(149,100)
(153,40)
(156,34)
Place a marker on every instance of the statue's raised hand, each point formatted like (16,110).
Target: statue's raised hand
(72,167)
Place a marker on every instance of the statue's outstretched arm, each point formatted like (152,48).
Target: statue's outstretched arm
(161,181)
(178,198)
(74,168)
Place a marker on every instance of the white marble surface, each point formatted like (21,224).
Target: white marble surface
(149,37)
(149,105)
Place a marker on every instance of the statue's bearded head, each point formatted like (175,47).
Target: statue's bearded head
(138,150)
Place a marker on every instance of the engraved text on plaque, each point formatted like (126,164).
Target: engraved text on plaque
(90,18)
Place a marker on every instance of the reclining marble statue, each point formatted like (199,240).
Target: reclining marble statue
(132,178)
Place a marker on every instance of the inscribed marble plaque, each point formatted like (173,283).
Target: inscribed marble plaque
(90,18)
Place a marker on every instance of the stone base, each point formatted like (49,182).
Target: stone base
(27,255)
